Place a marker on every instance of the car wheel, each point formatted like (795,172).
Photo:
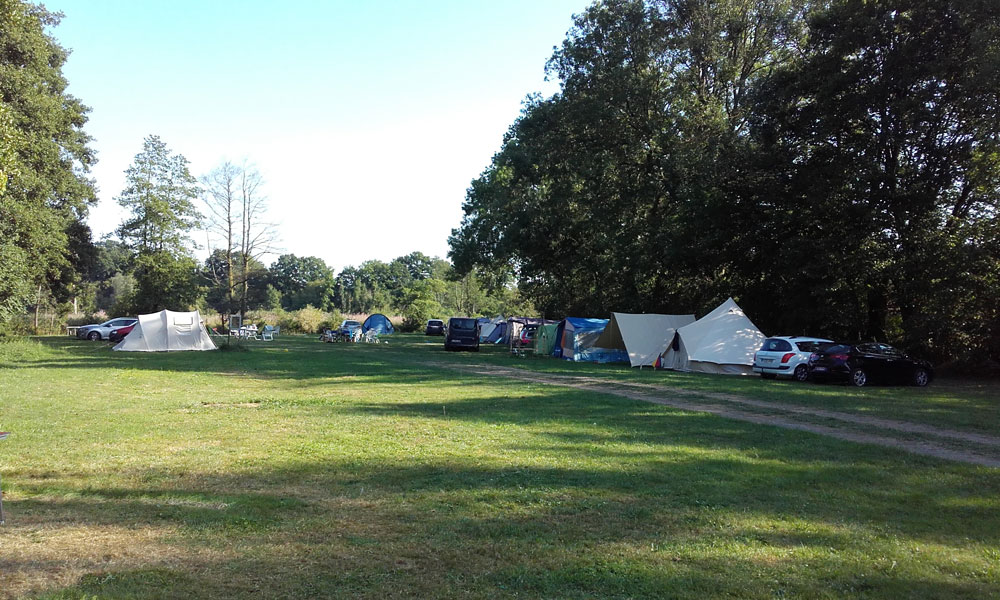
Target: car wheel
(801,373)
(859,378)
(768,376)
(921,378)
(94,336)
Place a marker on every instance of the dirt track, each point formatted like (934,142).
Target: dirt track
(926,440)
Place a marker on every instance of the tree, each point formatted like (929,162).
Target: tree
(888,133)
(44,158)
(257,236)
(221,199)
(290,273)
(622,172)
(164,281)
(159,193)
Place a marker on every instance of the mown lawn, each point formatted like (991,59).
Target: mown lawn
(300,469)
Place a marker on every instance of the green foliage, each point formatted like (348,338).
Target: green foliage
(163,281)
(307,320)
(159,194)
(838,174)
(44,159)
(421,304)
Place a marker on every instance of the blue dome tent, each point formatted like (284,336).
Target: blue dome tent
(379,322)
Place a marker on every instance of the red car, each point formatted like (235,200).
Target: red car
(119,334)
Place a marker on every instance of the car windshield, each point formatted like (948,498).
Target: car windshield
(435,322)
(463,324)
(351,324)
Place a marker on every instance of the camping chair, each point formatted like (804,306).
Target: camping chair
(268,334)
(371,336)
(3,436)
(356,335)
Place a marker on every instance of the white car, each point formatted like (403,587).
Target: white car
(101,331)
(786,356)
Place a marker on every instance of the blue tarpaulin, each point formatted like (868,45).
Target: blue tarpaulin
(575,339)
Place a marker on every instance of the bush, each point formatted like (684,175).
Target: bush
(308,319)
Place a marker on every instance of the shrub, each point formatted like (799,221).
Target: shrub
(308,319)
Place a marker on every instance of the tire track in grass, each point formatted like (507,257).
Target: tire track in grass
(791,416)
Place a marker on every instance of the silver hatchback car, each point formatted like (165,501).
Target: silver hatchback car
(786,356)
(101,331)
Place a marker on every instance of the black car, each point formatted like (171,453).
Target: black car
(870,362)
(462,333)
(435,327)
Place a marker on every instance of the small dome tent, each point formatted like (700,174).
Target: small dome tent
(379,323)
(167,331)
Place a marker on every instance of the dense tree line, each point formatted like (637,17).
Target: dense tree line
(833,165)
(44,160)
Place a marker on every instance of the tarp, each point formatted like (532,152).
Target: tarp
(723,341)
(644,337)
(545,339)
(379,322)
(575,340)
(167,331)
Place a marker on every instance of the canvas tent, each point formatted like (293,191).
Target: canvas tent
(644,337)
(545,339)
(575,340)
(167,331)
(723,341)
(379,322)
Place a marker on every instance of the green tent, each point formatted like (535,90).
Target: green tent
(545,339)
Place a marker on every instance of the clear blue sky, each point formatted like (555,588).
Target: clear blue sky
(368,120)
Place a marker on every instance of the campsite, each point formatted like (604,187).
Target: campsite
(573,299)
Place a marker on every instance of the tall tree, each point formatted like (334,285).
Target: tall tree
(221,198)
(258,237)
(889,129)
(44,158)
(159,195)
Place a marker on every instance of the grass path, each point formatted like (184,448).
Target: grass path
(977,448)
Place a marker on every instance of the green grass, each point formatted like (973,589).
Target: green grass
(300,469)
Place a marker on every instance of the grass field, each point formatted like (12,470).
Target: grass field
(300,469)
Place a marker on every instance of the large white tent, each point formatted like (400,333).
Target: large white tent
(723,341)
(645,337)
(167,331)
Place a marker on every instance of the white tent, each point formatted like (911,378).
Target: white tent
(723,341)
(167,331)
(644,337)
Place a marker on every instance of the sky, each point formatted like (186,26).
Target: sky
(367,120)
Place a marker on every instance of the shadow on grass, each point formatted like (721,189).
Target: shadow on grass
(655,527)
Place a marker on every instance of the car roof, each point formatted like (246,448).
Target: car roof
(799,338)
